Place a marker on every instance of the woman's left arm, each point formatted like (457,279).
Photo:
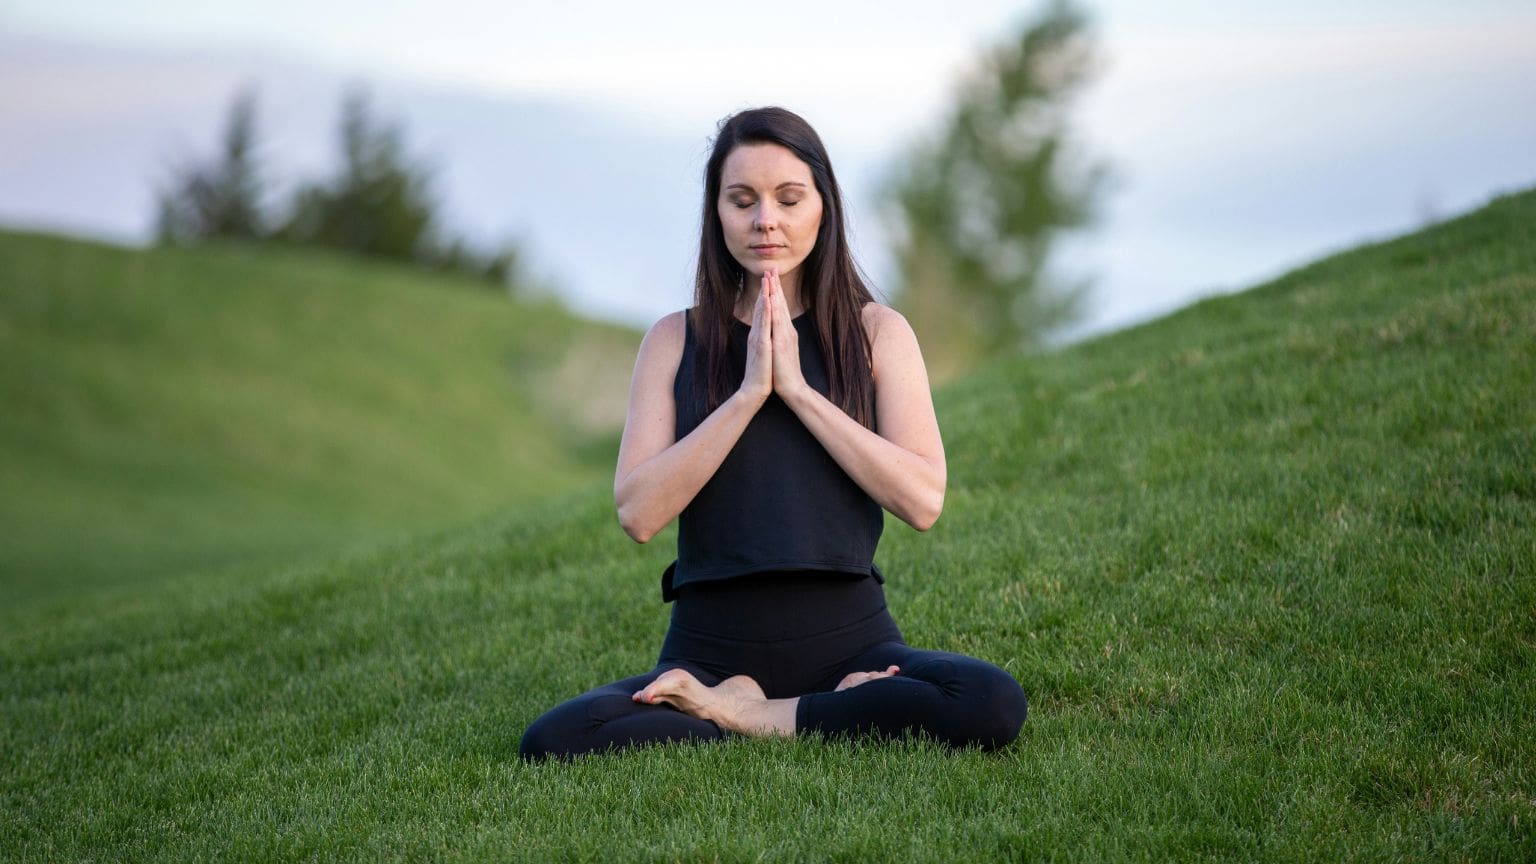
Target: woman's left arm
(902,467)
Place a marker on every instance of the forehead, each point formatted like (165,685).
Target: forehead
(764,166)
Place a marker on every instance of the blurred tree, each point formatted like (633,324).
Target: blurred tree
(381,204)
(378,203)
(978,209)
(220,199)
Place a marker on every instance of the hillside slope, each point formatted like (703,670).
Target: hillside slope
(173,409)
(1264,566)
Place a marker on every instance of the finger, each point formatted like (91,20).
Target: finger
(762,323)
(780,308)
(758,309)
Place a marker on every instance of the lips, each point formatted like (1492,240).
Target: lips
(766,250)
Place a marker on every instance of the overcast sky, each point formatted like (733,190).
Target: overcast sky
(1245,137)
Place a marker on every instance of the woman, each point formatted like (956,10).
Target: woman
(775,418)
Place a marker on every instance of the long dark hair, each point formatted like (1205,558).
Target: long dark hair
(830,284)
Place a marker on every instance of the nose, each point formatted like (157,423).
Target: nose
(766,219)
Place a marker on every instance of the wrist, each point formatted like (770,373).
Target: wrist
(795,395)
(752,397)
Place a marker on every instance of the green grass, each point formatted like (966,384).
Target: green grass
(1265,568)
(171,410)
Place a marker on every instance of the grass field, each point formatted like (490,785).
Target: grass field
(1265,568)
(170,410)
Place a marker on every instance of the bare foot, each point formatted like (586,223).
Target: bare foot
(742,688)
(854,679)
(678,688)
(736,704)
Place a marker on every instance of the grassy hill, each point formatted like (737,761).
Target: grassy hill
(1264,566)
(170,409)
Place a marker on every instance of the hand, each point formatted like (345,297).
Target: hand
(854,679)
(758,380)
(787,378)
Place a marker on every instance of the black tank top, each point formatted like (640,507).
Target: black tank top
(779,501)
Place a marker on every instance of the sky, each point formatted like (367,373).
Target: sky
(1244,138)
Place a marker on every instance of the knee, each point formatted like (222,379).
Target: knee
(557,734)
(999,707)
(540,741)
(986,705)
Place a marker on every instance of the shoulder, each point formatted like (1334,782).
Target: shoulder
(663,343)
(886,327)
(670,328)
(892,342)
(877,314)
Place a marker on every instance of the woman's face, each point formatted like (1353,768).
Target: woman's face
(769,208)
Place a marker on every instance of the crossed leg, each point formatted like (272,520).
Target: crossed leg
(737,704)
(956,699)
(959,700)
(886,691)
(608,717)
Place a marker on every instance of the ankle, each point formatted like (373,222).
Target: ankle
(765,718)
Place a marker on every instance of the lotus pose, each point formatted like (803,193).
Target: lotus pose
(774,419)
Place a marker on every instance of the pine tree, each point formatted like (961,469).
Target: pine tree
(980,208)
(222,198)
(378,203)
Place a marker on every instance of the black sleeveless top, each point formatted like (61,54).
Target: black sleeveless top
(779,501)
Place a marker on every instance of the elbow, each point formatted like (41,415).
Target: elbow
(637,530)
(637,533)
(637,513)
(629,520)
(927,512)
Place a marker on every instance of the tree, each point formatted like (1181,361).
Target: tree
(378,204)
(979,208)
(223,198)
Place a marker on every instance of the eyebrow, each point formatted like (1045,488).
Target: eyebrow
(776,188)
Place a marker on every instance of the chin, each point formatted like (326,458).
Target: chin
(756,267)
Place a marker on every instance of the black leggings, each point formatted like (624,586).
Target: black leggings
(796,634)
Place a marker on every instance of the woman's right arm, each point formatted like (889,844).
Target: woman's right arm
(657,474)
